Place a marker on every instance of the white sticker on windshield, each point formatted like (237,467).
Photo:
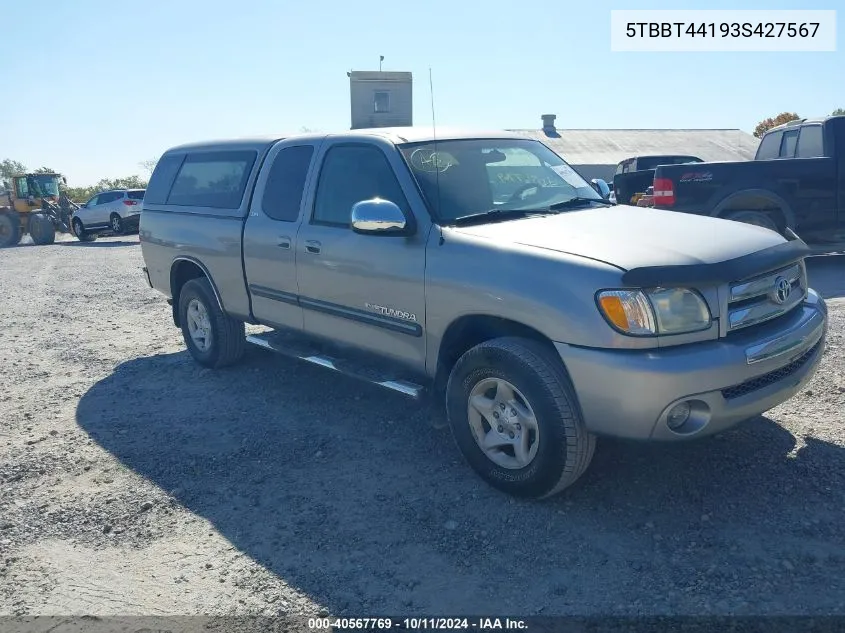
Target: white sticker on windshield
(569,175)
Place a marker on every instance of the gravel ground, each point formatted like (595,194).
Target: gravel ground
(134,482)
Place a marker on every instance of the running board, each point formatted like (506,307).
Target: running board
(292,348)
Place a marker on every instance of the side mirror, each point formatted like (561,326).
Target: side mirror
(601,187)
(379,217)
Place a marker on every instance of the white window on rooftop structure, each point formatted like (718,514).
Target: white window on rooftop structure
(381,101)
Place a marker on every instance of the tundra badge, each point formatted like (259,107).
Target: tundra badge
(391,312)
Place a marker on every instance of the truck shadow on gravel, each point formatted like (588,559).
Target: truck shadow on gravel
(827,275)
(101,244)
(348,494)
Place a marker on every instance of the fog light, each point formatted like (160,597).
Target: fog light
(678,415)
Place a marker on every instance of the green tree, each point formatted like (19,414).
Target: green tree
(83,194)
(767,124)
(128,182)
(838,112)
(9,168)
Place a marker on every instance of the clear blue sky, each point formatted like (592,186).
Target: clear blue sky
(120,81)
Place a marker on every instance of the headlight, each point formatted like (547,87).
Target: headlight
(653,312)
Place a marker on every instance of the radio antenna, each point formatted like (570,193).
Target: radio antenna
(434,140)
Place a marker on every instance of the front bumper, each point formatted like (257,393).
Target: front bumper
(629,394)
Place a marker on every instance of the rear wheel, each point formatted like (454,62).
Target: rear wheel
(81,234)
(10,229)
(116,223)
(41,229)
(213,338)
(757,218)
(515,417)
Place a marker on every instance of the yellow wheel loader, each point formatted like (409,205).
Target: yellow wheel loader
(34,204)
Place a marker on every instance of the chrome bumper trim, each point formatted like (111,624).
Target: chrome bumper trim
(803,336)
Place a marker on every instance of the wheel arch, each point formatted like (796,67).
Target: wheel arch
(182,270)
(469,330)
(755,200)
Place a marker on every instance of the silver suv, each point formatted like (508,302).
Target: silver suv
(117,211)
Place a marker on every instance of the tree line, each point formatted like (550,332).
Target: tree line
(9,168)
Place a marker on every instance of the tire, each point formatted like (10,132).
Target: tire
(116,224)
(564,447)
(41,229)
(757,218)
(225,336)
(81,234)
(10,229)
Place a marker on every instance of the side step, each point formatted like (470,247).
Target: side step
(289,346)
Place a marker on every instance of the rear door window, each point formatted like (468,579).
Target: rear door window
(787,146)
(135,195)
(212,179)
(286,182)
(769,146)
(810,142)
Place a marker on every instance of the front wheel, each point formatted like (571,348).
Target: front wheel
(41,229)
(515,418)
(213,338)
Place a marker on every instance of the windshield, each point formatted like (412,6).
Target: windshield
(135,195)
(463,177)
(43,185)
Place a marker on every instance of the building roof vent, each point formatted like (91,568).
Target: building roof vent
(549,124)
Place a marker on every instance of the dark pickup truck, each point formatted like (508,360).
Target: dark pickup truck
(796,180)
(634,175)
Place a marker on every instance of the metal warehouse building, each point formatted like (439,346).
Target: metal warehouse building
(595,153)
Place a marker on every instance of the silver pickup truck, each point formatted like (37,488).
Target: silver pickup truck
(481,270)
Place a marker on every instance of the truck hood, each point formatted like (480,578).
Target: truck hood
(632,237)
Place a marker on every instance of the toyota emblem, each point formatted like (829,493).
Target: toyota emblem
(782,290)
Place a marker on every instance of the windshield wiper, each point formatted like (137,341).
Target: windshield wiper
(496,214)
(577,201)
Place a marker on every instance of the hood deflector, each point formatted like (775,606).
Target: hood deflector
(720,272)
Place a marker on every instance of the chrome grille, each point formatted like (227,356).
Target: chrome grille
(766,297)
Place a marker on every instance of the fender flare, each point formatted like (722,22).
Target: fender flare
(778,201)
(202,267)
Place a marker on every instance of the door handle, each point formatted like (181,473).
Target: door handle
(284,242)
(312,246)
